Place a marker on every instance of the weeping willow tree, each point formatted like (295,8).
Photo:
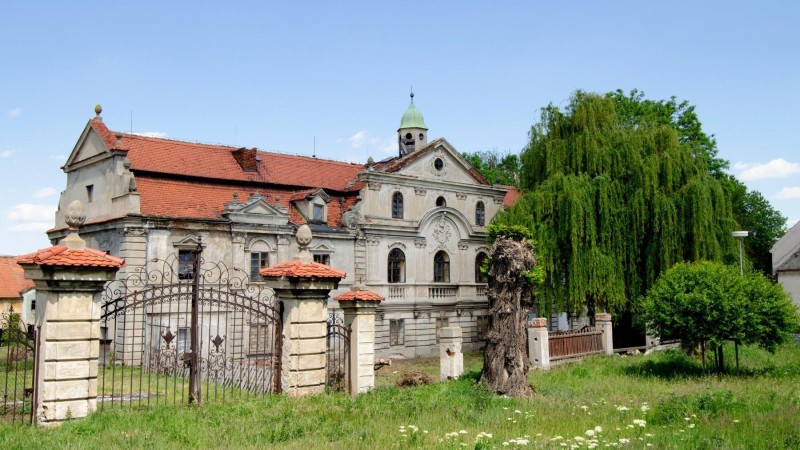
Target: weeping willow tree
(613,202)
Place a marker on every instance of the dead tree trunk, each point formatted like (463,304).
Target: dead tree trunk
(505,362)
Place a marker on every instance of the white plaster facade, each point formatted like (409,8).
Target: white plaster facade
(786,262)
(139,207)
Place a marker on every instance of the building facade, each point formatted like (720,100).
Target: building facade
(786,262)
(412,227)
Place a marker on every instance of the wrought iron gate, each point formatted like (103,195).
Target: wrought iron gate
(337,376)
(18,344)
(188,330)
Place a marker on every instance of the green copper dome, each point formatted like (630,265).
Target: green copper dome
(412,118)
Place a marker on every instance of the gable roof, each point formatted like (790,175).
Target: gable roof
(12,278)
(791,264)
(398,163)
(218,162)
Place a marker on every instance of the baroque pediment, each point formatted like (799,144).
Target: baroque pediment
(256,210)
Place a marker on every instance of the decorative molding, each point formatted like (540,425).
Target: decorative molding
(463,245)
(283,240)
(482,248)
(374,186)
(461,196)
(441,230)
(239,238)
(420,191)
(134,231)
(498,200)
(420,243)
(373,241)
(353,217)
(398,245)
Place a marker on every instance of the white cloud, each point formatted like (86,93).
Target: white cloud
(45,192)
(777,168)
(27,212)
(380,146)
(31,227)
(788,193)
(14,113)
(152,134)
(6,154)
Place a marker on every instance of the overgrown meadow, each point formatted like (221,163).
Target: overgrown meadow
(663,400)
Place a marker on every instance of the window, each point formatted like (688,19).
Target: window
(421,137)
(441,201)
(397,266)
(397,205)
(396,333)
(409,136)
(440,323)
(441,267)
(89,193)
(185,264)
(480,277)
(480,214)
(322,258)
(319,213)
(482,329)
(258,261)
(438,163)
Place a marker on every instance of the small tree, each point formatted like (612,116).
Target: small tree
(708,303)
(512,275)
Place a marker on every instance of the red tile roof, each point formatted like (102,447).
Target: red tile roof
(12,278)
(298,269)
(511,196)
(63,256)
(217,162)
(359,295)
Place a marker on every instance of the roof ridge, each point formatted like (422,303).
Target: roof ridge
(225,146)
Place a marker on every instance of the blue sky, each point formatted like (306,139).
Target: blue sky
(282,76)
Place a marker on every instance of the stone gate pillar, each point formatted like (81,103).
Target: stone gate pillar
(69,279)
(603,321)
(359,307)
(538,343)
(451,360)
(302,286)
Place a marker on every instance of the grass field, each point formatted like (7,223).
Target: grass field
(664,400)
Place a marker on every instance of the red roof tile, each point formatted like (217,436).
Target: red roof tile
(205,200)
(167,156)
(511,196)
(359,295)
(298,269)
(12,278)
(63,256)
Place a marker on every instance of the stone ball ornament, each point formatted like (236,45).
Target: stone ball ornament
(303,236)
(75,216)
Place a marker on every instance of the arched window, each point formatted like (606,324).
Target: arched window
(480,214)
(441,267)
(397,266)
(441,201)
(480,277)
(397,205)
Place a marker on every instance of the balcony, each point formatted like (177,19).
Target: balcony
(442,292)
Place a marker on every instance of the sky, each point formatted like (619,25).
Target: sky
(333,78)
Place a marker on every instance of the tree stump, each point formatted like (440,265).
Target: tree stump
(505,363)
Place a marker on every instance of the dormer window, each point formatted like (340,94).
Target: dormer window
(319,213)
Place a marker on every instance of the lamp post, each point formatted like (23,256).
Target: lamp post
(739,235)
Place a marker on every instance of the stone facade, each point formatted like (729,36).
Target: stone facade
(411,227)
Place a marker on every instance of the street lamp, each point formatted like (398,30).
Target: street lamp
(740,235)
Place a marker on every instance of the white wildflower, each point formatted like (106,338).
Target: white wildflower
(598,429)
(622,408)
(691,425)
(624,441)
(589,432)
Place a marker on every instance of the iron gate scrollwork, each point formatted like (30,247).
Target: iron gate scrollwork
(337,376)
(18,368)
(187,330)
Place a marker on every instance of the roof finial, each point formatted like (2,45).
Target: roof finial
(97,110)
(303,238)
(412,94)
(74,218)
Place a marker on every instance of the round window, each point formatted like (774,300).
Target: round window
(409,136)
(438,163)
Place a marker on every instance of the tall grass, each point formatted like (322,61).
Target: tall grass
(665,400)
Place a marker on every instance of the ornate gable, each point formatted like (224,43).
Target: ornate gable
(255,211)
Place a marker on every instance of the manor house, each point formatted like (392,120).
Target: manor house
(411,227)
